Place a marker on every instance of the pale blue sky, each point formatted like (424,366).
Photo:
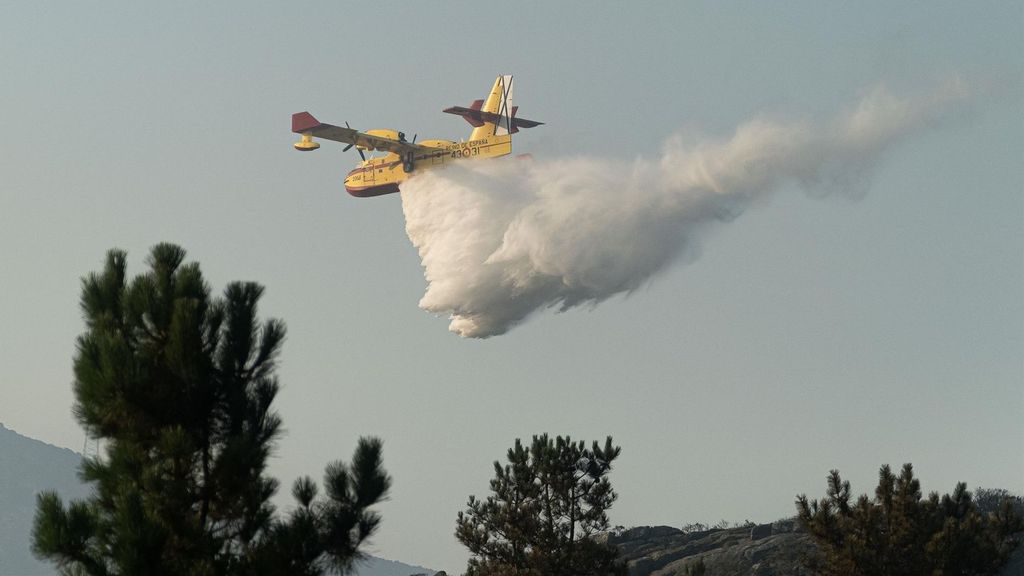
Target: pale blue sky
(810,334)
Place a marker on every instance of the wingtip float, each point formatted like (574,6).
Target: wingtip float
(493,119)
(302,124)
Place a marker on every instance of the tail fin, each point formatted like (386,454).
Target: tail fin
(495,115)
(498,103)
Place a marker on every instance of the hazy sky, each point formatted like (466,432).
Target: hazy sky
(810,333)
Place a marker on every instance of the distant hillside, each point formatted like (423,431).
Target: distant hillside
(382,567)
(29,466)
(765,550)
(774,549)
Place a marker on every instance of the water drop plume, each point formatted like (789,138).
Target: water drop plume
(502,239)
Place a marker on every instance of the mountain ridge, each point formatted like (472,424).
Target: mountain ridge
(29,466)
(775,549)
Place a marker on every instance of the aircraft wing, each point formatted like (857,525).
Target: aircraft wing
(305,123)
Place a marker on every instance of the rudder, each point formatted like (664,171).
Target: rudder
(498,103)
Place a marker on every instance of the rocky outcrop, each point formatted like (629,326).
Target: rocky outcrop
(762,550)
(775,549)
(1015,565)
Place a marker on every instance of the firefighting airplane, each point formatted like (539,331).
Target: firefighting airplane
(494,122)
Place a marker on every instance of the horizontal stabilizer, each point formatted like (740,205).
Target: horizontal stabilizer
(477,118)
(472,115)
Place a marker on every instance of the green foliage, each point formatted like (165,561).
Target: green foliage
(547,503)
(901,533)
(179,386)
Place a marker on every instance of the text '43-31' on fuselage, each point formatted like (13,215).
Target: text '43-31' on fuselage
(493,119)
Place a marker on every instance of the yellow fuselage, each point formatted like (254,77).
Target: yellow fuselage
(377,176)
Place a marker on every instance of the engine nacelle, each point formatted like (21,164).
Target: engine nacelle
(383,133)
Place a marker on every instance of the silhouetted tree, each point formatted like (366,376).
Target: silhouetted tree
(179,387)
(900,533)
(547,503)
(990,500)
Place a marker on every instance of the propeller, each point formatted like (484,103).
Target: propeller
(360,150)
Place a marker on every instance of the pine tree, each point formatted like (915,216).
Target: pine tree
(547,504)
(179,387)
(900,533)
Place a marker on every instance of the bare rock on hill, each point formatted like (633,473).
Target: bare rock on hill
(763,550)
(1015,566)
